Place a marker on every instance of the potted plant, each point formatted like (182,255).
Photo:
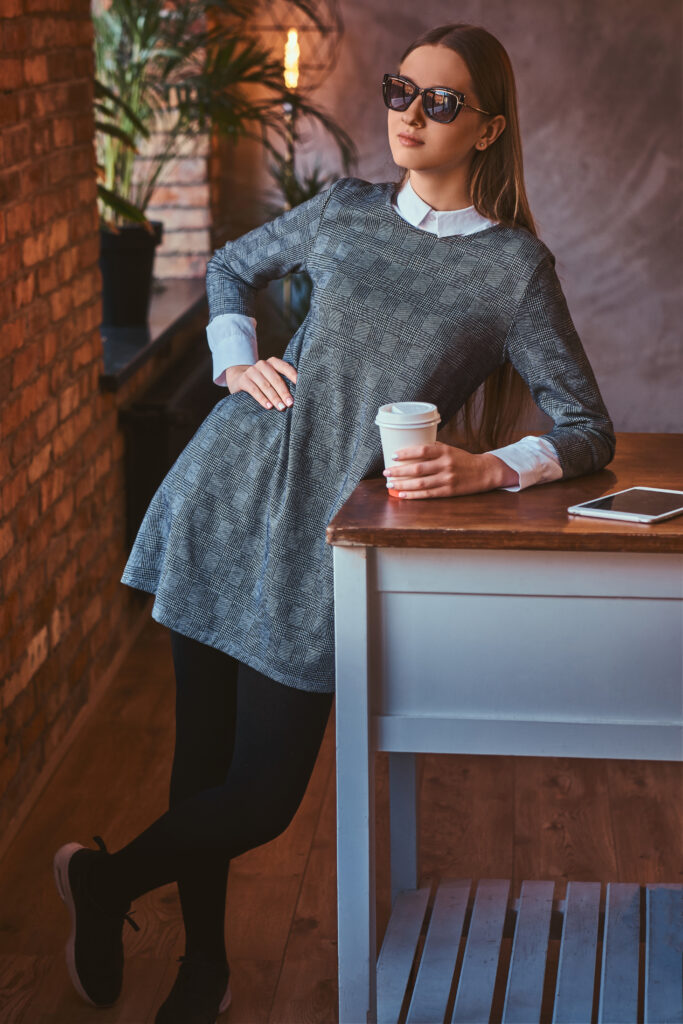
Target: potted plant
(187,69)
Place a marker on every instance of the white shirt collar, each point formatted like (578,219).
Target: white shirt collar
(439,222)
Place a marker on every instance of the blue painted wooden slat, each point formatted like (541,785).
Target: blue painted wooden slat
(576,967)
(437,964)
(620,946)
(529,952)
(398,952)
(480,962)
(663,954)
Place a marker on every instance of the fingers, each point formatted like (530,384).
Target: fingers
(267,386)
(418,487)
(286,368)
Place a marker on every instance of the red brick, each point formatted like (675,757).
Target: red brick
(58,235)
(35,395)
(5,379)
(36,70)
(84,287)
(23,441)
(11,75)
(102,464)
(11,415)
(56,553)
(51,487)
(85,485)
(6,538)
(67,262)
(22,292)
(11,336)
(63,511)
(40,462)
(68,401)
(47,277)
(37,545)
(34,249)
(46,420)
(49,347)
(63,132)
(17,145)
(80,95)
(32,733)
(41,138)
(37,319)
(25,363)
(27,516)
(19,219)
(9,109)
(12,9)
(15,34)
(84,354)
(66,581)
(10,187)
(61,301)
(71,430)
(13,567)
(10,260)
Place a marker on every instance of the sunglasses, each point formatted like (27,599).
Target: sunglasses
(440,104)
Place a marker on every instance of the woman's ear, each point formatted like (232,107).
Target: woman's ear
(490,132)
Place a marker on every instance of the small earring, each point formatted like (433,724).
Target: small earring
(481,145)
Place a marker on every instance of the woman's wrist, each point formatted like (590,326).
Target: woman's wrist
(497,473)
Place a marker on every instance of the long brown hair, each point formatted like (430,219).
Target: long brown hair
(496,187)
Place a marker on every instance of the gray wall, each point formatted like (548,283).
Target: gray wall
(600,109)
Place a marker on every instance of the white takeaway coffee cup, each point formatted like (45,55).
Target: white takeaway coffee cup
(403,424)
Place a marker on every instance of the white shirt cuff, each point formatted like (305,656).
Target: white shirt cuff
(232,340)
(533,458)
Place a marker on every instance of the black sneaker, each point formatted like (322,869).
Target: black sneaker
(94,951)
(200,992)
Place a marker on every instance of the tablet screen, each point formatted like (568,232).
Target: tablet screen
(639,500)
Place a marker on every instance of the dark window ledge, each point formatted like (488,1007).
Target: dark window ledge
(175,309)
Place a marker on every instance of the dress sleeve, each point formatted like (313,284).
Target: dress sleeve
(544,348)
(269,251)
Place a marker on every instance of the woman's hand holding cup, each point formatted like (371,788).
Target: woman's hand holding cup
(263,381)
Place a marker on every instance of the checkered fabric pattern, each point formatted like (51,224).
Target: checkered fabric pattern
(233,542)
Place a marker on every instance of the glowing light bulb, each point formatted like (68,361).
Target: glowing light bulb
(292,59)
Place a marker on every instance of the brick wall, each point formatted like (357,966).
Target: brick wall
(65,618)
(181,201)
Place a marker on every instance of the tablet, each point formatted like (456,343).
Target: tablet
(634,505)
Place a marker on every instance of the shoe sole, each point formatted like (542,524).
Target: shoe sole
(60,866)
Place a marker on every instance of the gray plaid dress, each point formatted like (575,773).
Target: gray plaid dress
(233,542)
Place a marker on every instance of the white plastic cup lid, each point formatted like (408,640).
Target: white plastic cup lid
(407,413)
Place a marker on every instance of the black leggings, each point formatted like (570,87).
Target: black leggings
(245,750)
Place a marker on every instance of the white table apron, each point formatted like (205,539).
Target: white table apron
(546,653)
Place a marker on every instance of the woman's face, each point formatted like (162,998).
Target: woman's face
(444,147)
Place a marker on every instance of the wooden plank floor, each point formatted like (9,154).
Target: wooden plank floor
(483,817)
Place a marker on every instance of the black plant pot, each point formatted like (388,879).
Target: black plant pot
(126,262)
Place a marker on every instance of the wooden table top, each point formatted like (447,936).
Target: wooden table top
(535,518)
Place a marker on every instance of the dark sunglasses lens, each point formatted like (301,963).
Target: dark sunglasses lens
(397,94)
(440,106)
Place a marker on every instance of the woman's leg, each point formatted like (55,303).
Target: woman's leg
(205,711)
(278,734)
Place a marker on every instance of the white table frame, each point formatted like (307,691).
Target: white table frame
(526,652)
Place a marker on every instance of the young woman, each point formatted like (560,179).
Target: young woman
(421,292)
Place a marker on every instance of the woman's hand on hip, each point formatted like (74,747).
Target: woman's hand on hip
(443,471)
(263,380)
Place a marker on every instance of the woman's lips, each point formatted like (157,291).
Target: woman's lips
(409,140)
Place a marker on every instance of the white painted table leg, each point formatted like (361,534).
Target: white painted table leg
(403,822)
(357,947)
